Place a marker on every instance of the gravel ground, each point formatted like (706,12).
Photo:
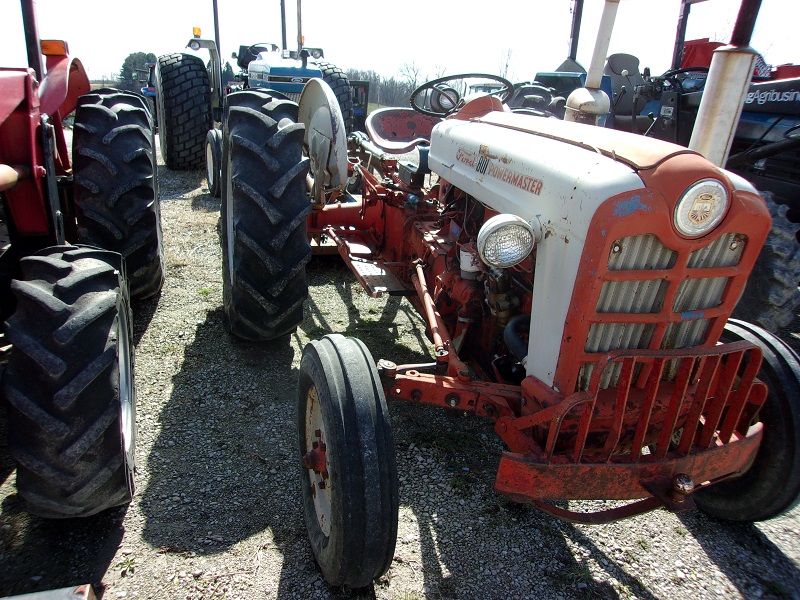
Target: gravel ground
(217,513)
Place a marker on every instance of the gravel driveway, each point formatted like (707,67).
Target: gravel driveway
(217,512)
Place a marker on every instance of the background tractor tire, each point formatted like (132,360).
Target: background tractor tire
(263,217)
(348,480)
(116,191)
(69,383)
(214,162)
(771,296)
(183,92)
(336,78)
(771,486)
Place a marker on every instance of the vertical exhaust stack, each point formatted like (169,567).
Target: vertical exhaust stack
(725,89)
(589,103)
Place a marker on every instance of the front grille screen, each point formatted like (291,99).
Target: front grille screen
(640,296)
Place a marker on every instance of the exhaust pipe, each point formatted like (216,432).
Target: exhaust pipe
(589,103)
(724,93)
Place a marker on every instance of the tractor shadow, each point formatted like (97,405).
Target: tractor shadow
(750,560)
(389,323)
(222,467)
(42,554)
(504,546)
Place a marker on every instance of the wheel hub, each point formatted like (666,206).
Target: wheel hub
(315,460)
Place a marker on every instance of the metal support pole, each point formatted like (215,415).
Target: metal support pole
(32,43)
(680,36)
(575,31)
(299,29)
(283,25)
(216,29)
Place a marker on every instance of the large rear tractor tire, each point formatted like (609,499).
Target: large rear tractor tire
(771,486)
(69,383)
(116,192)
(771,296)
(183,93)
(348,476)
(263,216)
(336,78)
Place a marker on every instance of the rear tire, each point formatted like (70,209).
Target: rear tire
(214,162)
(263,216)
(771,296)
(771,487)
(116,198)
(351,500)
(69,383)
(336,78)
(183,92)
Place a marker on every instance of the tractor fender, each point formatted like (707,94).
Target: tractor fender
(65,81)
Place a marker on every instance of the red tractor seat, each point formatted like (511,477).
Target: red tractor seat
(399,130)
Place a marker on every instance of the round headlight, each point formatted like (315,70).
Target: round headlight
(194,45)
(505,240)
(316,53)
(701,208)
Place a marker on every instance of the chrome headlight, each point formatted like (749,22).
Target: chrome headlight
(505,240)
(194,45)
(701,207)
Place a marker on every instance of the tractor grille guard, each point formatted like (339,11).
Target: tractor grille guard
(699,425)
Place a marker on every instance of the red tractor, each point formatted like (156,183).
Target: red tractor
(576,283)
(83,237)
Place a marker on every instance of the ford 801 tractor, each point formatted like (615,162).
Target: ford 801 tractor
(576,284)
(68,378)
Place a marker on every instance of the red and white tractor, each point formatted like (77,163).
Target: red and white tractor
(576,283)
(81,236)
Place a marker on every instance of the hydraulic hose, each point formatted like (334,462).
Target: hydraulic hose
(512,335)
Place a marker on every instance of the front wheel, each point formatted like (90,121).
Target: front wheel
(771,486)
(348,476)
(69,382)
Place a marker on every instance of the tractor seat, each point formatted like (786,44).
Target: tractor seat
(623,69)
(399,130)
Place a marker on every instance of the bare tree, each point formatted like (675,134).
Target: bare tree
(439,71)
(505,61)
(411,74)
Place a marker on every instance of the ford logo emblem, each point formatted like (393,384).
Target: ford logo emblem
(297,80)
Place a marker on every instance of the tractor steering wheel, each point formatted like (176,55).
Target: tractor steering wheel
(677,82)
(438,98)
(253,47)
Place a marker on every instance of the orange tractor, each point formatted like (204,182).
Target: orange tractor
(576,283)
(82,234)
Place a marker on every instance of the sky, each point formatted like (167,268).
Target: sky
(435,36)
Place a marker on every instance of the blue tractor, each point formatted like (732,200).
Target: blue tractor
(191,100)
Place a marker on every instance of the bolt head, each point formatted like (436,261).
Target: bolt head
(682,483)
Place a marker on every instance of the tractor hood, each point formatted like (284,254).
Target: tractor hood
(288,76)
(553,172)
